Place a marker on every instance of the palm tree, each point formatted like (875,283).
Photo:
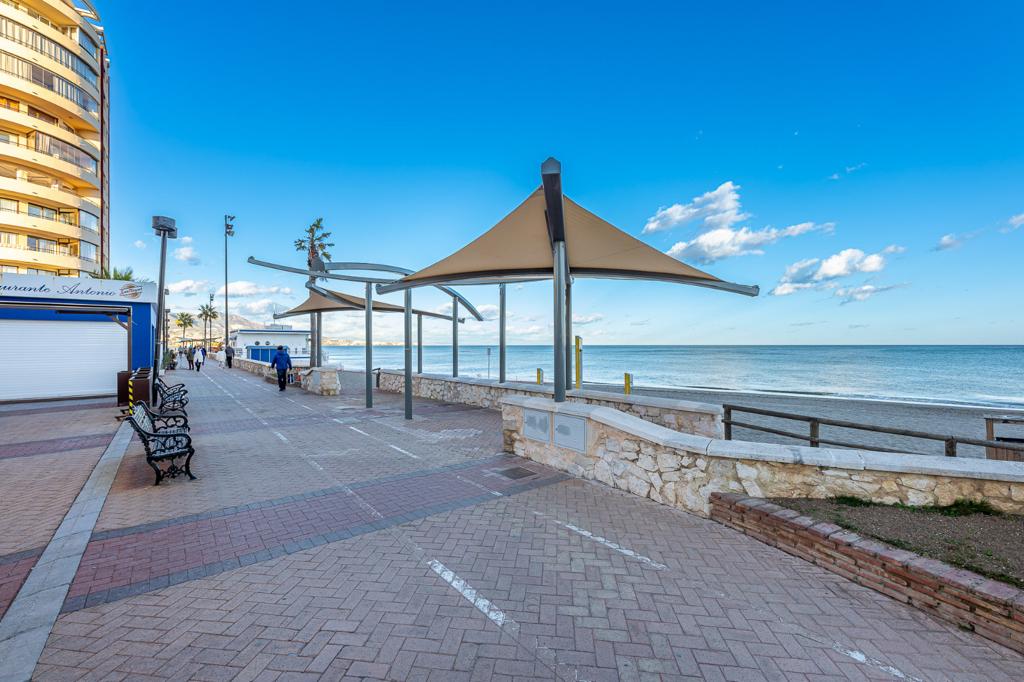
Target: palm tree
(207,313)
(314,243)
(184,320)
(127,274)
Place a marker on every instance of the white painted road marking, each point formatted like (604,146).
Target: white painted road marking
(362,432)
(614,546)
(483,605)
(404,452)
(281,436)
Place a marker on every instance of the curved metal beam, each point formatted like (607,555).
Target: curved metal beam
(380,267)
(376,267)
(330,295)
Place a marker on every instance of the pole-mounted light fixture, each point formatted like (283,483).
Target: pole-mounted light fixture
(165,228)
(229,231)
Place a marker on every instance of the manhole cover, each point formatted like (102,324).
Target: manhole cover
(517,473)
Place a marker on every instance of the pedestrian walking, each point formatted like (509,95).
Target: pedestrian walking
(229,353)
(198,357)
(283,362)
(190,355)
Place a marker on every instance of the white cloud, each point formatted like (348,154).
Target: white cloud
(856,167)
(262,306)
(863,292)
(720,208)
(948,241)
(725,242)
(1015,222)
(187,254)
(245,288)
(583,320)
(834,176)
(489,311)
(186,240)
(188,287)
(815,273)
(139,244)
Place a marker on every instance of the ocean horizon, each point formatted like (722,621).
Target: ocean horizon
(986,375)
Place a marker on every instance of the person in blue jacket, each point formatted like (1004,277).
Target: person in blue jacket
(283,362)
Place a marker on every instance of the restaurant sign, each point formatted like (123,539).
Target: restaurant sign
(76,289)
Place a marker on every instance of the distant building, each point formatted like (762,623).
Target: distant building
(53,139)
(261,344)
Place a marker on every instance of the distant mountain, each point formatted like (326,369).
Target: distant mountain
(196,332)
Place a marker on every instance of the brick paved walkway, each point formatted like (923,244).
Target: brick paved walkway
(325,541)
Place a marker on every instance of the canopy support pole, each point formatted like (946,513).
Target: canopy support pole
(559,316)
(312,339)
(369,344)
(501,333)
(455,337)
(408,353)
(419,344)
(568,330)
(319,339)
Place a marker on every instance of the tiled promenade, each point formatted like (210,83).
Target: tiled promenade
(326,541)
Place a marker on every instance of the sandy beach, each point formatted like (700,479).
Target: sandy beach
(931,418)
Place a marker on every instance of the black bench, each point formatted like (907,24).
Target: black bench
(171,397)
(165,437)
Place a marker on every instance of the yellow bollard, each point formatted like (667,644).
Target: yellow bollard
(131,394)
(540,376)
(579,362)
(628,382)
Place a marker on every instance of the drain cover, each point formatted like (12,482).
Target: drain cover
(517,472)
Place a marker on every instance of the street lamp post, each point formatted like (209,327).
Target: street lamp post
(164,228)
(229,231)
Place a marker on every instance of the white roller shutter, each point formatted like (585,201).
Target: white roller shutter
(60,359)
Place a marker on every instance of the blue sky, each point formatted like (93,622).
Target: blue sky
(862,163)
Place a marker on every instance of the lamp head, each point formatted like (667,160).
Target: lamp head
(164,226)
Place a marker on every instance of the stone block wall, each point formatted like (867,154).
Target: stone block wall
(703,419)
(684,470)
(992,609)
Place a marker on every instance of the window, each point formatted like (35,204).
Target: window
(68,216)
(63,151)
(12,269)
(88,43)
(88,251)
(19,33)
(45,212)
(88,221)
(8,103)
(9,205)
(8,239)
(40,244)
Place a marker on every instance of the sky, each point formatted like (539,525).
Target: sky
(863,163)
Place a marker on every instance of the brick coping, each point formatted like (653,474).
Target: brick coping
(988,607)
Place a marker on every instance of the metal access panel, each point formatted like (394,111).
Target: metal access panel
(571,432)
(537,425)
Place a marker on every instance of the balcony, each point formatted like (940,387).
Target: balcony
(61,227)
(63,162)
(54,259)
(53,196)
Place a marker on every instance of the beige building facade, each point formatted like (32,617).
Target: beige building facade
(54,111)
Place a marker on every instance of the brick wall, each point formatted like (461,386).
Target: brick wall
(993,609)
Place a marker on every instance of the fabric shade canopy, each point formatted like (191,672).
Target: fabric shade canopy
(334,301)
(519,248)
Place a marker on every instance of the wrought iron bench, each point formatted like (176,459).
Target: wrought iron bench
(165,437)
(171,397)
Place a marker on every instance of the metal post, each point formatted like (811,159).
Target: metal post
(501,333)
(369,344)
(455,337)
(408,353)
(161,340)
(727,421)
(229,230)
(559,317)
(568,332)
(815,438)
(579,363)
(419,343)
(312,338)
(319,339)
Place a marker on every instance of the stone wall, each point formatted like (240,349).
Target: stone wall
(683,470)
(992,609)
(319,380)
(702,419)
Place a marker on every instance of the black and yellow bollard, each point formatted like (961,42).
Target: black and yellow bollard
(627,383)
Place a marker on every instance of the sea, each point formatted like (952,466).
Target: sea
(990,376)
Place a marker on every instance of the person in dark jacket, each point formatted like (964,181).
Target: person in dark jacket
(282,362)
(229,354)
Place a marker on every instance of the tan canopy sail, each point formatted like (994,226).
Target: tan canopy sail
(519,248)
(336,301)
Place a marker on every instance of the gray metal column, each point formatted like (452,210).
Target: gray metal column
(369,345)
(455,337)
(568,333)
(408,353)
(501,333)
(319,339)
(559,318)
(312,339)
(419,343)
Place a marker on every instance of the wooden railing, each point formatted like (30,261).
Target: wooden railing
(814,439)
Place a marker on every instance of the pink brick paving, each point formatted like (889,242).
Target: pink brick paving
(52,445)
(130,561)
(14,568)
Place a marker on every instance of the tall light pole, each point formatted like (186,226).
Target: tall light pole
(164,228)
(229,231)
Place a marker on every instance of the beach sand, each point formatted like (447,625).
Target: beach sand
(950,420)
